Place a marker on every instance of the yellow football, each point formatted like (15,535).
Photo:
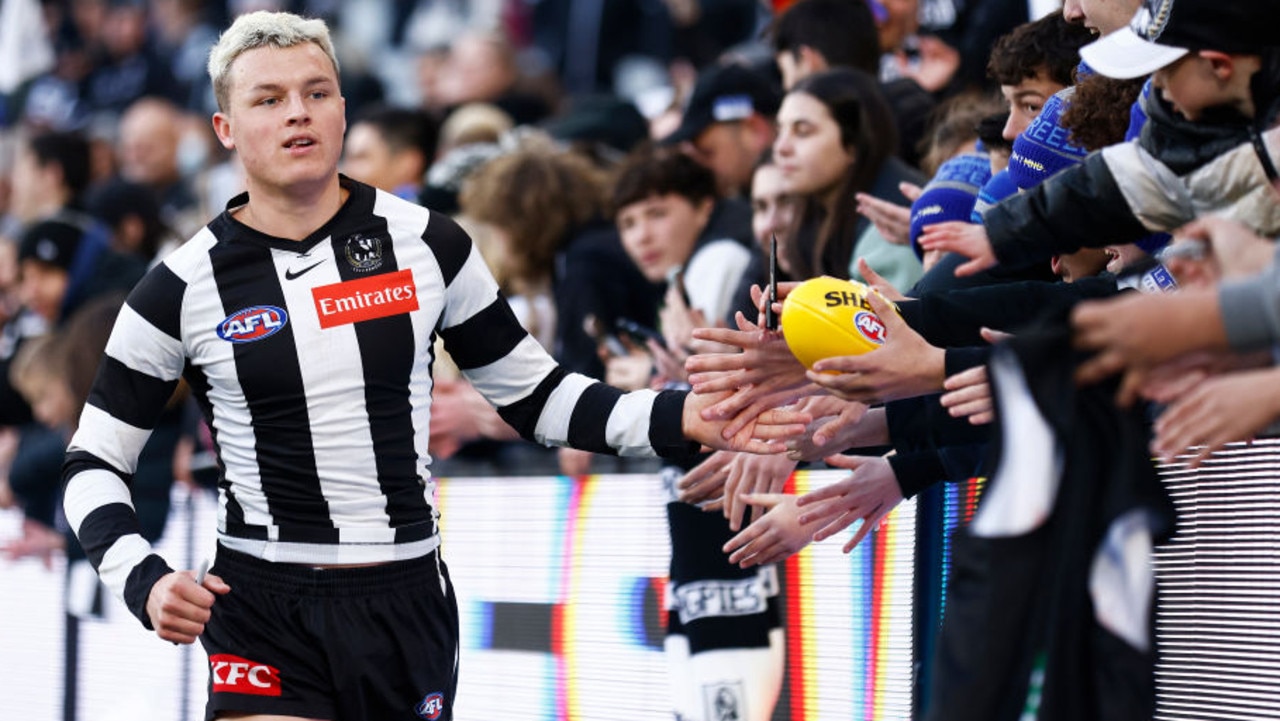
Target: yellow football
(825,317)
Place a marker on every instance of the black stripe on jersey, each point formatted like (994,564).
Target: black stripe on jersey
(388,351)
(199,384)
(158,299)
(104,526)
(586,432)
(138,586)
(132,397)
(79,461)
(485,337)
(449,243)
(271,379)
(666,431)
(523,414)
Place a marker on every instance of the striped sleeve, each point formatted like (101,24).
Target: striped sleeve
(138,374)
(532,393)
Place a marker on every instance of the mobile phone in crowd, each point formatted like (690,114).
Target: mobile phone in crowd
(640,334)
(605,340)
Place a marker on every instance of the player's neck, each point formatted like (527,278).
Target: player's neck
(291,213)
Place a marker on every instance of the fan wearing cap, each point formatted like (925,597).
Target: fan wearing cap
(728,124)
(63,262)
(1207,146)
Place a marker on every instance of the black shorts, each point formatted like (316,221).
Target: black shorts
(376,643)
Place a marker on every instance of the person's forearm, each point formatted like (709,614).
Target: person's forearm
(1250,309)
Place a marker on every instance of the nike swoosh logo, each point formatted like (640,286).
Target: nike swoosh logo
(289,274)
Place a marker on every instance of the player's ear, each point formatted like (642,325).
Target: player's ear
(222,128)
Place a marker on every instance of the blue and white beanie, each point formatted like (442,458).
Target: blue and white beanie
(1042,149)
(950,195)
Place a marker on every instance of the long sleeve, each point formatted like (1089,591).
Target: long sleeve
(1250,309)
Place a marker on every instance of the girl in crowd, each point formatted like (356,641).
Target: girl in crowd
(835,139)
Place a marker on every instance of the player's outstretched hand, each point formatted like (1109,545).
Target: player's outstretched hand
(179,608)
(764,432)
(967,239)
(775,536)
(867,495)
(905,366)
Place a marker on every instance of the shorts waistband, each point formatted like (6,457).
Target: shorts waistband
(308,580)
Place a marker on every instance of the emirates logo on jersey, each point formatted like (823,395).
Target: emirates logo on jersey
(232,674)
(379,296)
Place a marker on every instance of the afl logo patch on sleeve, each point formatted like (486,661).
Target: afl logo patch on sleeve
(431,707)
(251,324)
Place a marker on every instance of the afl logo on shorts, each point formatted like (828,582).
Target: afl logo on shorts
(431,707)
(250,324)
(364,254)
(870,326)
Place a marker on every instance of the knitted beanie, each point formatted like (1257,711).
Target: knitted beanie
(1042,149)
(997,189)
(950,195)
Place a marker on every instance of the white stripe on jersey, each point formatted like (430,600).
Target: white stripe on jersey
(473,290)
(553,424)
(628,426)
(147,349)
(89,491)
(126,440)
(512,377)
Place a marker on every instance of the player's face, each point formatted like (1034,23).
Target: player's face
(660,231)
(285,118)
(808,150)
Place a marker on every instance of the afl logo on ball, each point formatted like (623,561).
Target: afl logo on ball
(250,324)
(364,254)
(870,327)
(431,707)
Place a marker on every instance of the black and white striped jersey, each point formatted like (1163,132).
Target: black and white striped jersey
(311,361)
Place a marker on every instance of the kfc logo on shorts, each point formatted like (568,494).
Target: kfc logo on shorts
(232,674)
(870,327)
(431,707)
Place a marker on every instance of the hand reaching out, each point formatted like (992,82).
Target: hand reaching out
(775,536)
(750,474)
(892,220)
(905,366)
(1230,407)
(868,495)
(967,239)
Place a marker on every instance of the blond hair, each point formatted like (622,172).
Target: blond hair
(262,29)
